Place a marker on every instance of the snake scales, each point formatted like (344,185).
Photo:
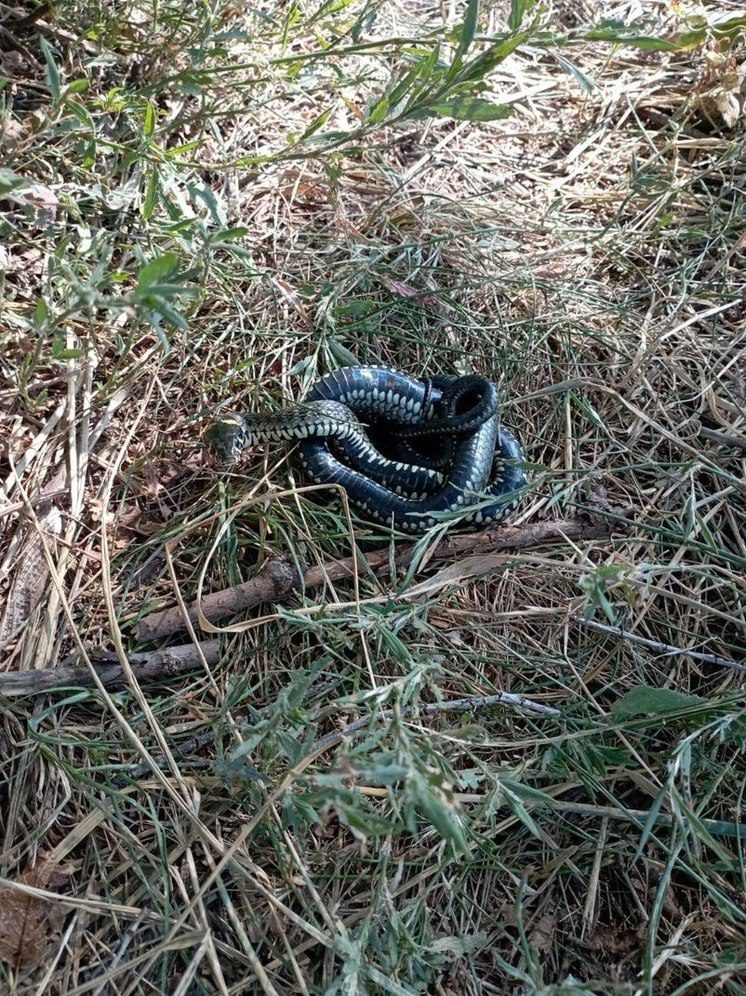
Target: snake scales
(427,449)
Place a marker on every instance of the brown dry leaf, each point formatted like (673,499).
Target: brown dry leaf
(401,287)
(131,522)
(30,926)
(12,130)
(542,935)
(299,188)
(98,513)
(293,299)
(406,290)
(462,570)
(729,107)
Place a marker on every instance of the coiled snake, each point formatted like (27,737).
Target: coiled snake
(436,449)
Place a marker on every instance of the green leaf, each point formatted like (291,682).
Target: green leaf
(518,9)
(314,126)
(80,112)
(154,271)
(237,771)
(363,823)
(480,67)
(61,352)
(10,181)
(378,111)
(342,354)
(646,700)
(149,120)
(622,35)
(164,310)
(519,810)
(428,65)
(229,234)
(467,32)
(464,109)
(77,86)
(684,40)
(402,88)
(438,812)
(151,193)
(585,82)
(41,313)
(53,73)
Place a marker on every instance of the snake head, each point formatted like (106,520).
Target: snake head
(227,437)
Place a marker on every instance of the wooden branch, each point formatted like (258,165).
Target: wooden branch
(147,667)
(278,578)
(431,708)
(723,438)
(661,648)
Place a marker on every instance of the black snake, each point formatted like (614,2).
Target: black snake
(437,449)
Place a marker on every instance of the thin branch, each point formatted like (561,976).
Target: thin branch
(277,579)
(431,708)
(149,666)
(662,648)
(723,438)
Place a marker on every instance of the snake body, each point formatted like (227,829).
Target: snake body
(422,425)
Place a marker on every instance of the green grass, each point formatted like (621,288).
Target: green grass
(203,208)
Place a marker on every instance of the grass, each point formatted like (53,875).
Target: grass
(203,208)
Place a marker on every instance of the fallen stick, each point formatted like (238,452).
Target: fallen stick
(191,748)
(278,578)
(473,704)
(661,648)
(146,667)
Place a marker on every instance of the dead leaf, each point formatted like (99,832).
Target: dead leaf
(297,187)
(400,287)
(40,198)
(543,933)
(293,299)
(729,107)
(29,926)
(406,290)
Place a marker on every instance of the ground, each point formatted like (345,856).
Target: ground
(202,208)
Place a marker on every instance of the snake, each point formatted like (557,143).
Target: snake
(438,450)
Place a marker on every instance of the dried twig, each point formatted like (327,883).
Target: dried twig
(277,579)
(663,648)
(723,438)
(431,708)
(146,667)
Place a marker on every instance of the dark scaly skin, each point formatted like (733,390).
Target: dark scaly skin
(459,412)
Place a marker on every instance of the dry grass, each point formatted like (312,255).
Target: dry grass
(589,252)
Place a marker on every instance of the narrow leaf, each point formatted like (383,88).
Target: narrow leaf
(317,123)
(342,354)
(518,10)
(153,271)
(11,181)
(621,35)
(151,193)
(53,73)
(229,234)
(379,111)
(464,109)
(483,64)
(645,700)
(468,31)
(149,121)
(41,313)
